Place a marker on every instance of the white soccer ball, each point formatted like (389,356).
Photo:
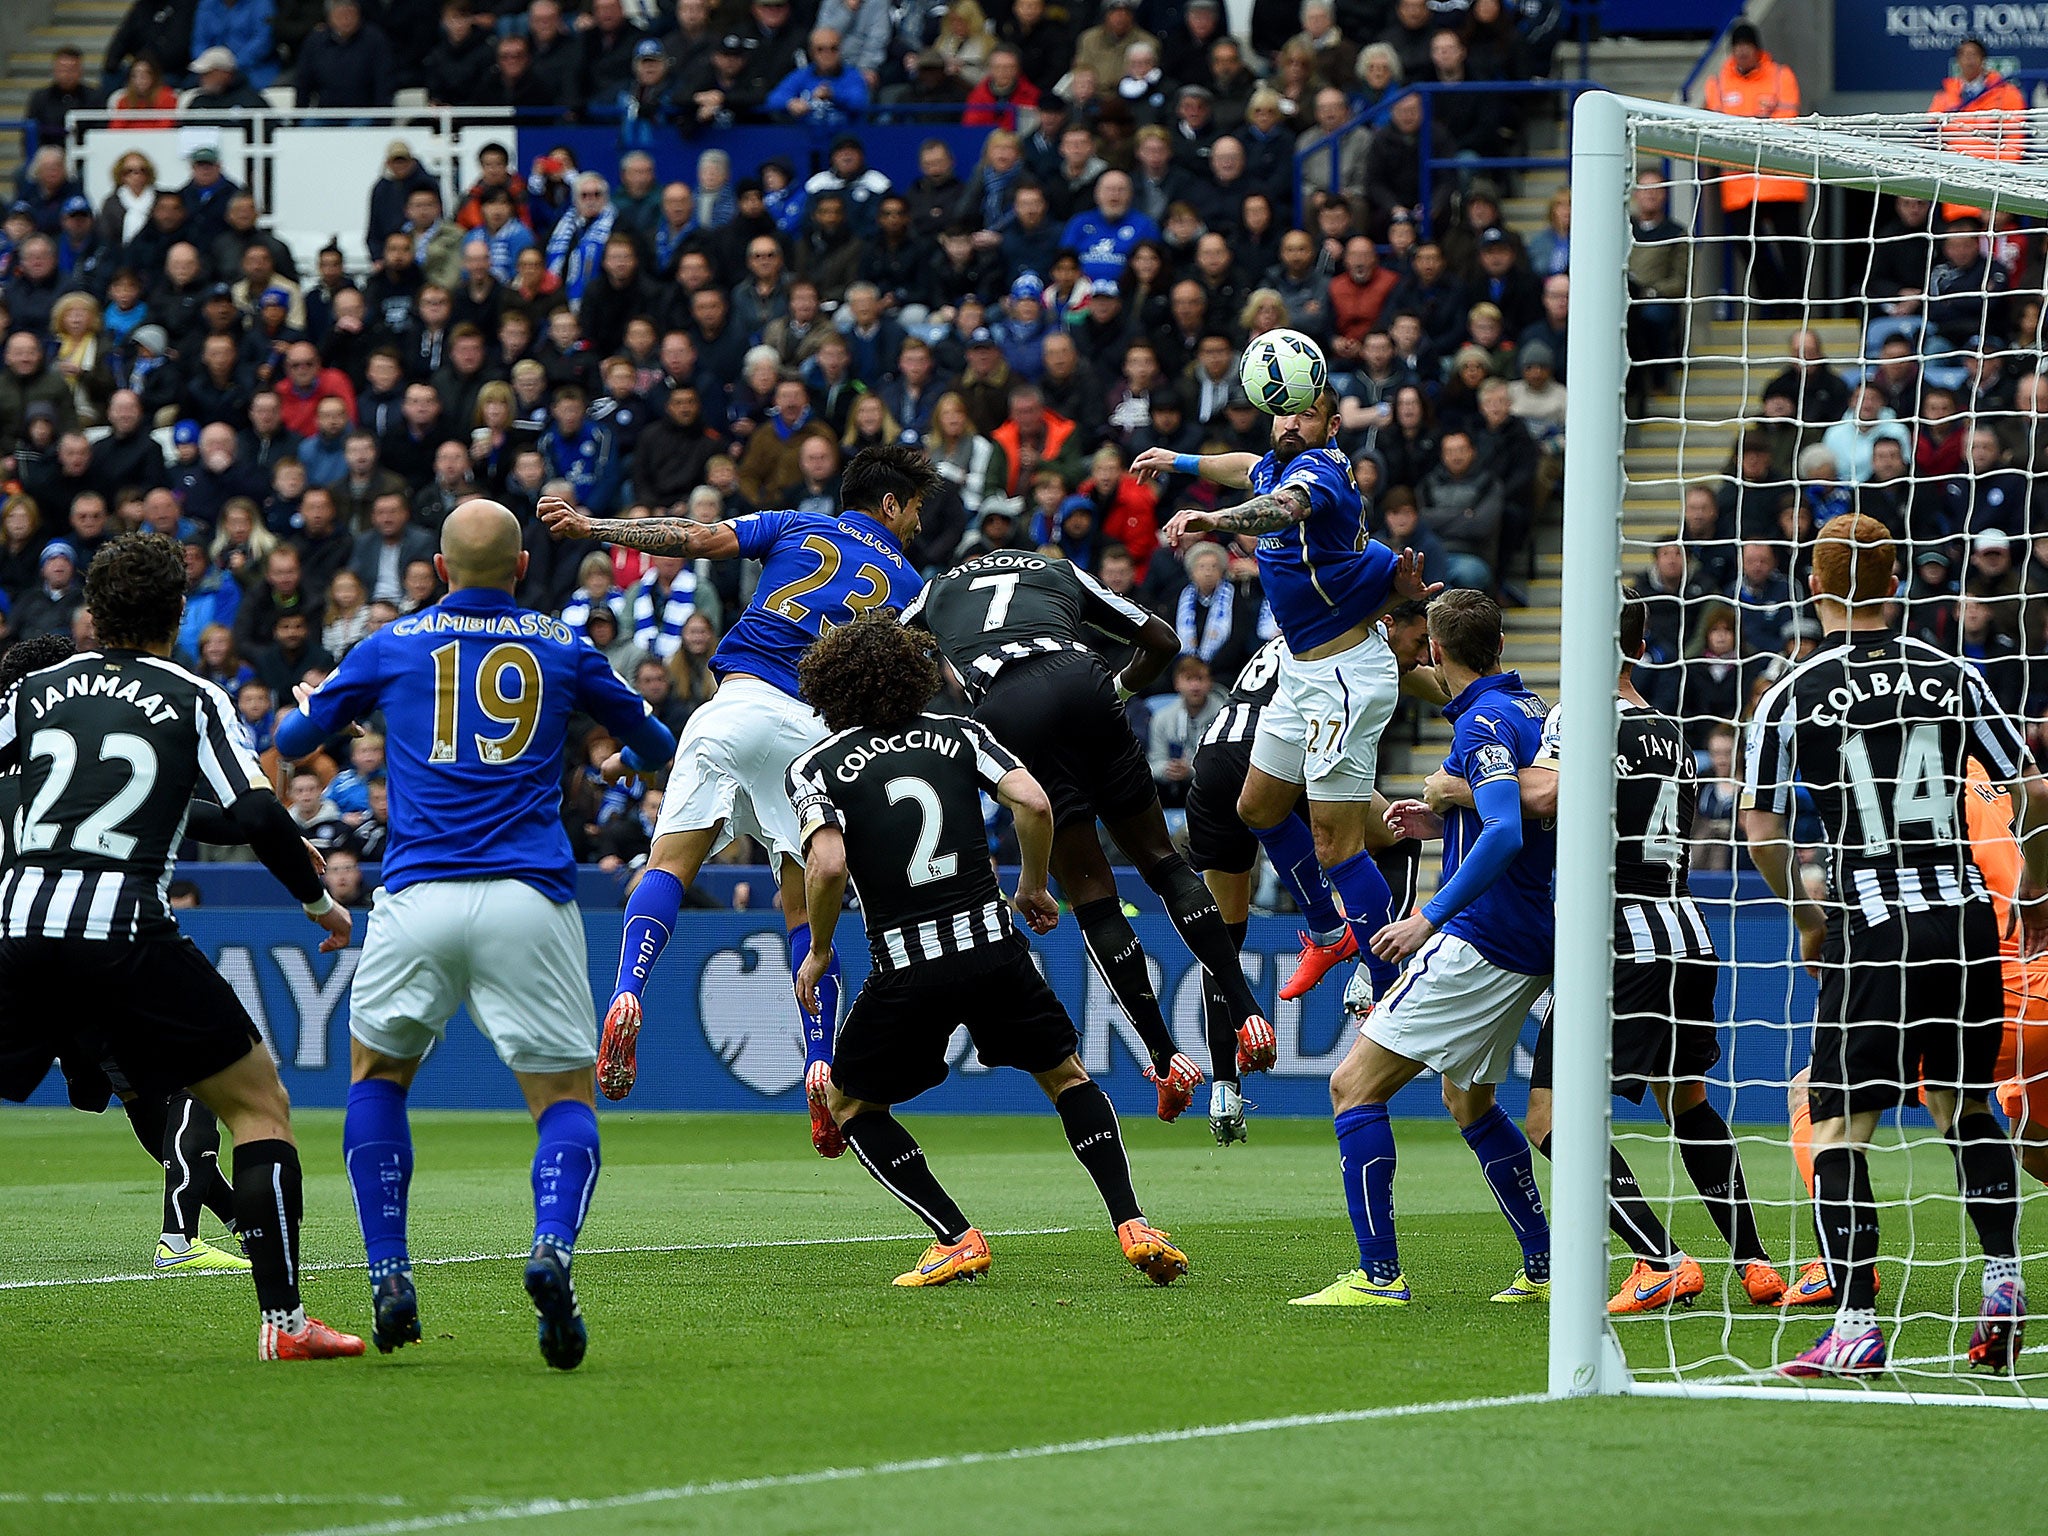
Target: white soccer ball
(1283,372)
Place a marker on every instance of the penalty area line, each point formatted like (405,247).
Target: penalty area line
(493,1258)
(538,1509)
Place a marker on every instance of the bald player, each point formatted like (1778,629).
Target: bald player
(477,905)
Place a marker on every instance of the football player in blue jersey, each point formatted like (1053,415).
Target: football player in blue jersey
(818,571)
(478,902)
(1480,952)
(1328,584)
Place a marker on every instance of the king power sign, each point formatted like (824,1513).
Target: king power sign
(1885,47)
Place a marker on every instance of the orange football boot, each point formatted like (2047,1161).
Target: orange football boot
(315,1341)
(1814,1289)
(1150,1253)
(1763,1284)
(826,1137)
(943,1262)
(1177,1087)
(1257,1046)
(615,1067)
(1650,1287)
(1316,962)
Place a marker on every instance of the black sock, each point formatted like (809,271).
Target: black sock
(1092,1132)
(269,1201)
(1629,1216)
(1845,1214)
(1201,927)
(1989,1173)
(1218,1021)
(1714,1164)
(146,1117)
(892,1155)
(1113,944)
(192,1176)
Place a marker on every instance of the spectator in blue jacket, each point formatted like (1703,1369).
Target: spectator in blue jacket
(824,94)
(581,452)
(243,27)
(212,596)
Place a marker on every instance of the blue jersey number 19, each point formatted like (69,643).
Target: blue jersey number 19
(517,708)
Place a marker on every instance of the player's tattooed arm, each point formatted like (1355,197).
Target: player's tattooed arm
(1262,514)
(683,537)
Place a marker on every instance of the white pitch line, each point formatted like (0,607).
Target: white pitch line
(535,1509)
(493,1258)
(384,1500)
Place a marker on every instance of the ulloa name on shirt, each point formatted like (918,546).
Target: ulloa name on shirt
(102,685)
(1862,687)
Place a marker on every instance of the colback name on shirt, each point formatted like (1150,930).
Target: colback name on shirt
(913,740)
(1864,685)
(108,684)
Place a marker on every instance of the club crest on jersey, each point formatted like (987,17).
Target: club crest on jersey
(102,685)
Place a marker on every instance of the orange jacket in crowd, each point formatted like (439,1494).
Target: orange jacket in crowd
(1770,90)
(1981,125)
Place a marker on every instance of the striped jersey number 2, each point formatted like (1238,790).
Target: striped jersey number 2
(784,599)
(518,708)
(926,862)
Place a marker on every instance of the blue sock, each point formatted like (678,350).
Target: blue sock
(1503,1153)
(565,1168)
(1365,1147)
(1291,848)
(1366,900)
(376,1149)
(650,922)
(820,1031)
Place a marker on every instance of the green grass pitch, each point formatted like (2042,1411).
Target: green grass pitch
(751,1369)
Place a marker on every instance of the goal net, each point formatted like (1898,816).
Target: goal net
(1775,323)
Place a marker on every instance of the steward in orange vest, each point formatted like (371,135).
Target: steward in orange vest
(1753,84)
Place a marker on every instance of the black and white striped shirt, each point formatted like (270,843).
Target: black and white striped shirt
(1877,728)
(908,804)
(1012,606)
(110,748)
(1656,785)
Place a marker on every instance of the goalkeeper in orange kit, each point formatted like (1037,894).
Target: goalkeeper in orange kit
(2023,1056)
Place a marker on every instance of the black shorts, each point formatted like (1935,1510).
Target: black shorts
(154,1012)
(1916,1000)
(1218,839)
(1060,715)
(893,1044)
(1663,1025)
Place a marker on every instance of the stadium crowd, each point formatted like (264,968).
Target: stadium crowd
(304,421)
(1933,427)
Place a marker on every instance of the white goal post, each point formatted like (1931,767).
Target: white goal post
(1613,137)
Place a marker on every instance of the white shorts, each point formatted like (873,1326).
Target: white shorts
(1323,728)
(730,764)
(1455,1011)
(515,957)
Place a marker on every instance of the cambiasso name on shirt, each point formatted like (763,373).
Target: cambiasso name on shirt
(904,741)
(522,625)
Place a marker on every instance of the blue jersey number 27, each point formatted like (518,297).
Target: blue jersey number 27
(507,685)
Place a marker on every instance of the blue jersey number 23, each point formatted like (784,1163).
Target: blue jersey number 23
(784,599)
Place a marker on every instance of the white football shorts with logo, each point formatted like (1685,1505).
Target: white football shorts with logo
(1455,1011)
(515,957)
(730,764)
(1323,728)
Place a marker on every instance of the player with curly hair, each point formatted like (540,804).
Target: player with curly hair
(112,743)
(892,801)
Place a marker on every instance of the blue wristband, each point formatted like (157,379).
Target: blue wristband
(1187,464)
